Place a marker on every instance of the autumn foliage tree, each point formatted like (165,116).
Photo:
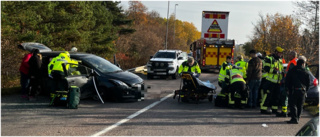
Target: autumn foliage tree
(275,30)
(135,49)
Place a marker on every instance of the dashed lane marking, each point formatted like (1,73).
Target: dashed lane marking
(107,129)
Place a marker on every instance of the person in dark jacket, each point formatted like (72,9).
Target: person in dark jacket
(35,73)
(24,75)
(254,74)
(297,82)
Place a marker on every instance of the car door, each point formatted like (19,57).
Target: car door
(79,75)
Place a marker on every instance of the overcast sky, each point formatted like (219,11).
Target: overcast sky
(242,16)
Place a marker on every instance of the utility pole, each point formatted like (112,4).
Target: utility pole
(174,25)
(315,22)
(167,26)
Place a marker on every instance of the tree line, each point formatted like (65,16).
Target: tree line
(103,28)
(298,32)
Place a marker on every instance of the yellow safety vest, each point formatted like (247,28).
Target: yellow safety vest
(275,65)
(236,75)
(244,66)
(184,67)
(223,71)
(264,64)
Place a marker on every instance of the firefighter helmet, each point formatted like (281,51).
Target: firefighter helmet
(279,49)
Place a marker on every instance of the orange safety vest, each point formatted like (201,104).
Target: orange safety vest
(294,62)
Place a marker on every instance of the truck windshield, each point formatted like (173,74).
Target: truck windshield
(170,55)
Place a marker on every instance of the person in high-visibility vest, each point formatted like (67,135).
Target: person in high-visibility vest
(222,75)
(264,75)
(237,87)
(242,65)
(271,95)
(283,90)
(190,66)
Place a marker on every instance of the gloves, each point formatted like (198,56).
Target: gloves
(197,75)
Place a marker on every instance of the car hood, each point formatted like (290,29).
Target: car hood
(126,77)
(162,59)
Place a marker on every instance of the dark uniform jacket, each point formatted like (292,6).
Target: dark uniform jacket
(254,71)
(297,79)
(35,66)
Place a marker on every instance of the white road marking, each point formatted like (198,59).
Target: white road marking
(23,104)
(107,129)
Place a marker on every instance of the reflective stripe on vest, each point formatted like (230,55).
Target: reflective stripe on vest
(276,64)
(243,66)
(236,75)
(223,72)
(185,68)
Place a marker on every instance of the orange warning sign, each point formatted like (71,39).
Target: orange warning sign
(214,27)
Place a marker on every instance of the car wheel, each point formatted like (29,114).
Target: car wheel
(149,76)
(210,98)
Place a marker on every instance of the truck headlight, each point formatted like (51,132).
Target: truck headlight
(119,83)
(149,64)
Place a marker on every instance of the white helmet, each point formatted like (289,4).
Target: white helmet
(74,49)
(259,54)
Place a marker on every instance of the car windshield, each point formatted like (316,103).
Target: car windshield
(170,55)
(102,64)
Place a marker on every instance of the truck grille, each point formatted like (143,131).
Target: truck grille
(159,64)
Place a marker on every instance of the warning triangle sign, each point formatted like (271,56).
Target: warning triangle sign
(214,27)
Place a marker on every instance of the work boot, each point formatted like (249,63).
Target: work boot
(274,111)
(292,122)
(265,112)
(281,114)
(231,106)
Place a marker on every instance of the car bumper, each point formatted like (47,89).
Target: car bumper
(163,72)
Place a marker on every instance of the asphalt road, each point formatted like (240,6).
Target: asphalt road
(158,115)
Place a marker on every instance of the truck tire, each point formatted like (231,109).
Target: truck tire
(149,76)
(175,75)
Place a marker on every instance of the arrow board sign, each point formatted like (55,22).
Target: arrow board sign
(214,25)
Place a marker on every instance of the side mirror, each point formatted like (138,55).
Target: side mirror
(151,57)
(118,65)
(180,58)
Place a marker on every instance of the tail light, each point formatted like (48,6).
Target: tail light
(315,82)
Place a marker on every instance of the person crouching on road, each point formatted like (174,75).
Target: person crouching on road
(254,74)
(297,82)
(190,66)
(237,87)
(223,74)
(242,65)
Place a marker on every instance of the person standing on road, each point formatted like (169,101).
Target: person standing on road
(293,61)
(254,74)
(284,91)
(24,74)
(271,87)
(190,66)
(297,82)
(35,63)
